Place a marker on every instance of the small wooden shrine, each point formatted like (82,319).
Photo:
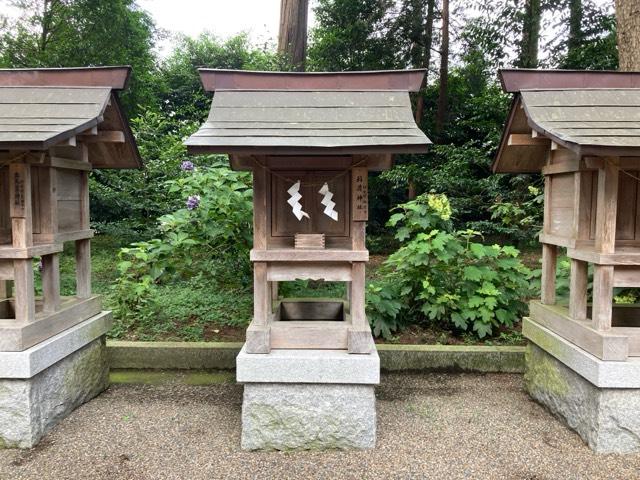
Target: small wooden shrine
(56,125)
(582,131)
(310,140)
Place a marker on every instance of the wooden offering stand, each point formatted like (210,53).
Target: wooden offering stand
(57,125)
(580,130)
(304,132)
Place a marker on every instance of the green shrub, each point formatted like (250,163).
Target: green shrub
(441,275)
(209,238)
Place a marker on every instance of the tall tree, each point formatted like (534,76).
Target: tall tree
(292,39)
(628,18)
(576,35)
(426,58)
(77,33)
(444,70)
(352,35)
(529,43)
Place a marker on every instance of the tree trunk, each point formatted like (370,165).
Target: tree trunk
(444,70)
(428,43)
(628,18)
(575,25)
(530,35)
(292,39)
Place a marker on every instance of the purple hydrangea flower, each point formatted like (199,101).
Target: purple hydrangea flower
(40,266)
(193,202)
(187,166)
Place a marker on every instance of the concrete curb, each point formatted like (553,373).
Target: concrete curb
(393,358)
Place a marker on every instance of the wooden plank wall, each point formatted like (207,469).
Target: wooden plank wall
(69,200)
(561,212)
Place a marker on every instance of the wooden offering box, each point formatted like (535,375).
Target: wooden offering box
(582,131)
(310,141)
(57,125)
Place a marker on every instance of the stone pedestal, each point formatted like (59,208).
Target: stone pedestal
(598,399)
(42,385)
(308,399)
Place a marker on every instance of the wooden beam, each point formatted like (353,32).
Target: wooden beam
(604,345)
(91,131)
(69,142)
(290,271)
(625,163)
(526,140)
(103,136)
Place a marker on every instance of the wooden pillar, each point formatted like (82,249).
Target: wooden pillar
(549,252)
(20,208)
(25,305)
(260,207)
(83,268)
(602,297)
(83,247)
(548,280)
(606,211)
(258,333)
(51,282)
(22,235)
(358,315)
(274,291)
(261,296)
(49,226)
(578,290)
(49,201)
(360,340)
(607,206)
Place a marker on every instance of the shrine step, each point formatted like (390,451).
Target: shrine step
(310,334)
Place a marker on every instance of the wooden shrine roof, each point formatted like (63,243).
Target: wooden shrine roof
(590,113)
(315,113)
(43,108)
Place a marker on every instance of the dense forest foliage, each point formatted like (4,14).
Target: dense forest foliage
(461,107)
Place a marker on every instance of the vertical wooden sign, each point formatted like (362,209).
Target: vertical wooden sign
(360,194)
(18,179)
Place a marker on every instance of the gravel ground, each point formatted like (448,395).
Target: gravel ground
(429,426)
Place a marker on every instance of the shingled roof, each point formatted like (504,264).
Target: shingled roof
(312,113)
(40,108)
(588,112)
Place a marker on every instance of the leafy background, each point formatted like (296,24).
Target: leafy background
(174,273)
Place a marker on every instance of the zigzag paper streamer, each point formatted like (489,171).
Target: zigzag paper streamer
(294,201)
(327,202)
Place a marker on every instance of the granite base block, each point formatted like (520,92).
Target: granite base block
(293,416)
(30,407)
(607,419)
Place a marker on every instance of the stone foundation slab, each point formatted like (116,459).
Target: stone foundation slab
(607,419)
(31,406)
(308,417)
(308,366)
